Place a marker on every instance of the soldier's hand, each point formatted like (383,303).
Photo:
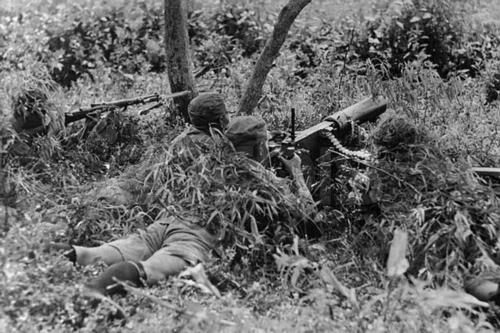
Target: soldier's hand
(292,164)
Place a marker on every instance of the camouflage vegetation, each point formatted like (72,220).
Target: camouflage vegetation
(442,120)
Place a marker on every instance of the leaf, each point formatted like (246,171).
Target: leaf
(97,295)
(379,33)
(328,277)
(295,246)
(200,277)
(443,297)
(295,277)
(397,264)
(419,215)
(45,120)
(284,261)
(462,225)
(255,231)
(290,267)
(370,18)
(415,19)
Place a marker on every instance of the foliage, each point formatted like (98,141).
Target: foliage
(433,132)
(110,39)
(241,25)
(232,31)
(401,31)
(129,38)
(493,88)
(244,205)
(449,213)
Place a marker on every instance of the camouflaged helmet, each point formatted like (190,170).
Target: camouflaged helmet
(246,130)
(208,109)
(248,135)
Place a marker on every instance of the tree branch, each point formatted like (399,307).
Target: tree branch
(253,91)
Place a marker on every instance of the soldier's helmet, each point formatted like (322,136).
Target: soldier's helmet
(248,134)
(208,110)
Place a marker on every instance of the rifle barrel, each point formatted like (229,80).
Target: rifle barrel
(129,101)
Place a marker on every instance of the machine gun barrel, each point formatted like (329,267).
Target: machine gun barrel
(366,110)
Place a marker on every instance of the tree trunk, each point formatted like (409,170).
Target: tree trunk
(179,64)
(253,91)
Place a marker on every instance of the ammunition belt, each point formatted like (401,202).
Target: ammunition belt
(360,154)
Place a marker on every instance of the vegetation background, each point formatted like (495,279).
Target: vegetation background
(436,61)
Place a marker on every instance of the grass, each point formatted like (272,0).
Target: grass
(433,132)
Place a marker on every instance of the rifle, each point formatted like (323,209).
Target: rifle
(490,172)
(97,108)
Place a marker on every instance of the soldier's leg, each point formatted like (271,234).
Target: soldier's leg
(185,245)
(127,271)
(88,255)
(161,265)
(131,251)
(136,247)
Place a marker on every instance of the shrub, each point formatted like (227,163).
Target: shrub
(110,40)
(218,39)
(242,206)
(126,37)
(493,88)
(241,24)
(215,54)
(399,31)
(197,28)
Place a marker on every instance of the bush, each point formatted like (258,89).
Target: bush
(218,39)
(128,38)
(399,31)
(108,39)
(240,23)
(242,205)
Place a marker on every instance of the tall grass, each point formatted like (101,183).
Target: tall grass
(433,132)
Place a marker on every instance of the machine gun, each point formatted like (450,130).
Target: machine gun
(318,140)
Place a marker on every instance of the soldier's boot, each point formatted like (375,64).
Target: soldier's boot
(127,271)
(484,289)
(68,250)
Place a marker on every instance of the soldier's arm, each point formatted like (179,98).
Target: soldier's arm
(293,166)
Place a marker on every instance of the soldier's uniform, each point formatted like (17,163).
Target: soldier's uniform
(169,244)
